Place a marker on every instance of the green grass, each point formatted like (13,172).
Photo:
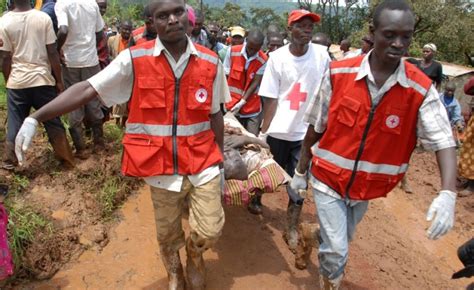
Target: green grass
(23,224)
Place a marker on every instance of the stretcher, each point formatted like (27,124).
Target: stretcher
(267,177)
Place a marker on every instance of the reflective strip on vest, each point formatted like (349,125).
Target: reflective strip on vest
(236,90)
(142,52)
(365,166)
(344,70)
(235,54)
(417,87)
(209,58)
(261,60)
(167,130)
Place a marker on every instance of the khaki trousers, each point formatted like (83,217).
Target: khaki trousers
(206,215)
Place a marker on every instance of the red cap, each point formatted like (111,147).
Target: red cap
(296,15)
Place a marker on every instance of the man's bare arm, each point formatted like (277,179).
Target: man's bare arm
(269,110)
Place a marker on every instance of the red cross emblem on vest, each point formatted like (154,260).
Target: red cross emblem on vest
(201,95)
(392,121)
(296,97)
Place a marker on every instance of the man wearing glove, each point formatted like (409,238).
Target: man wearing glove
(173,137)
(292,75)
(367,116)
(244,65)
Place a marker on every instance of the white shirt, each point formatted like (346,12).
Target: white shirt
(248,60)
(433,128)
(25,35)
(293,81)
(83,19)
(114,85)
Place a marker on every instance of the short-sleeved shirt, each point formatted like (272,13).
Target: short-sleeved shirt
(433,127)
(25,35)
(83,19)
(292,80)
(434,71)
(248,60)
(114,85)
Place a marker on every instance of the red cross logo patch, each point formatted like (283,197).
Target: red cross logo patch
(296,97)
(392,121)
(201,95)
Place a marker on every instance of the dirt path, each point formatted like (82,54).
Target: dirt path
(390,250)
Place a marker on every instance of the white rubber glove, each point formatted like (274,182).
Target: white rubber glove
(24,137)
(238,106)
(443,207)
(263,136)
(222,180)
(299,181)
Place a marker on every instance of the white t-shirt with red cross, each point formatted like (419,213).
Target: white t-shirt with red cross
(293,81)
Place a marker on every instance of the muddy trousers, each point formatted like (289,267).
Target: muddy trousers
(206,215)
(338,220)
(19,103)
(206,219)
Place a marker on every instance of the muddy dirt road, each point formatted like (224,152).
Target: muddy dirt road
(390,250)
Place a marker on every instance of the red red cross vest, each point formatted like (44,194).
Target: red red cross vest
(240,79)
(168,129)
(365,151)
(137,35)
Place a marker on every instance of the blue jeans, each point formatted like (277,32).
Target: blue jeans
(338,219)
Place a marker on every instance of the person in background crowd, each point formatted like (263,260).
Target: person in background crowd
(432,68)
(213,37)
(292,76)
(366,45)
(199,34)
(191,19)
(187,169)
(146,32)
(466,155)
(453,108)
(364,141)
(102,48)
(244,66)
(237,34)
(322,39)
(345,46)
(32,72)
(48,8)
(117,44)
(80,29)
(274,42)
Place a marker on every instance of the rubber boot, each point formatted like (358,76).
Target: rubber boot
(330,284)
(292,218)
(255,205)
(173,267)
(98,135)
(61,148)
(195,268)
(405,186)
(308,239)
(468,190)
(78,141)
(9,158)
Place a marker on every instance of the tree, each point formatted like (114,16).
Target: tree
(231,15)
(447,23)
(262,17)
(305,4)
